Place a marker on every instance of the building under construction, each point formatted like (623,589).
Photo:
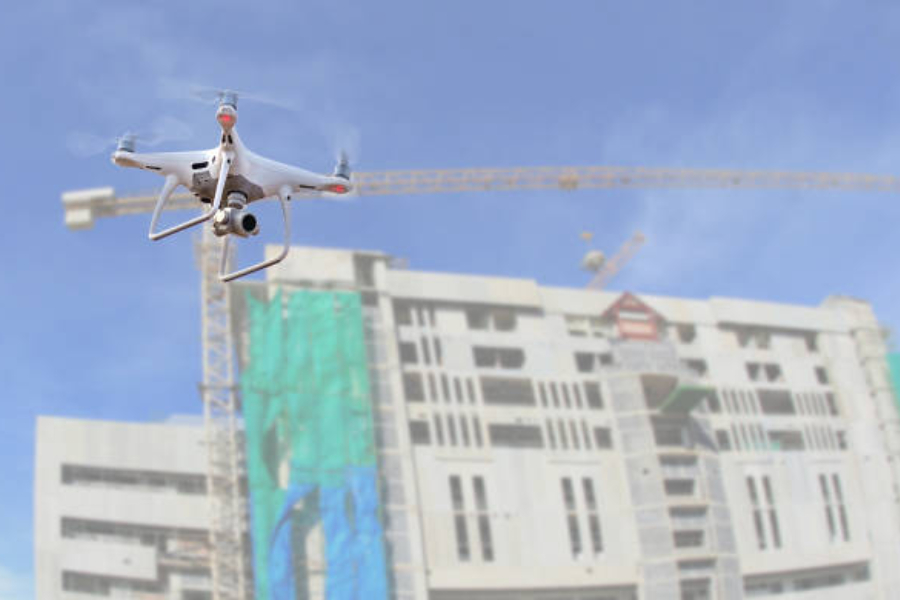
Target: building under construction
(427,436)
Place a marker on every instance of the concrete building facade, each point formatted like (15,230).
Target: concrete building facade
(539,443)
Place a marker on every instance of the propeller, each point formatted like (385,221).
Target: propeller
(175,89)
(344,140)
(164,129)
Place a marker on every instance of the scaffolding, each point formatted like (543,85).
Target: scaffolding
(228,564)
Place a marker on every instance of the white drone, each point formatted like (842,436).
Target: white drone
(228,178)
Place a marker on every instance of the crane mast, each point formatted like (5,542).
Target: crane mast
(228,554)
(224,476)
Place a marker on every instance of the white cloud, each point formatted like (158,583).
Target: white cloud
(703,241)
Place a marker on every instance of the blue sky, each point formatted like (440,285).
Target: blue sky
(104,324)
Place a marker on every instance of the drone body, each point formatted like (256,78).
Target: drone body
(228,178)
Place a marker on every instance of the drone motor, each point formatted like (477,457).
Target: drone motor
(126,143)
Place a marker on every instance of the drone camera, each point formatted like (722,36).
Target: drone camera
(235,220)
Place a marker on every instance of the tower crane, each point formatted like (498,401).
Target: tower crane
(227,560)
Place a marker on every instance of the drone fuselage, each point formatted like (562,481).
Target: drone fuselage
(254,176)
(228,178)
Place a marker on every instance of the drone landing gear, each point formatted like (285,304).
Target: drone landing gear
(164,195)
(283,196)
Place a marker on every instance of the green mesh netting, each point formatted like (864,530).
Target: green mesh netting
(894,367)
(310,446)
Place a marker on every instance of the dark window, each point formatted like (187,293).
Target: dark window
(476,427)
(596,536)
(402,313)
(438,430)
(686,333)
(563,436)
(498,319)
(786,439)
(408,353)
(832,404)
(776,402)
(585,361)
(462,537)
(587,434)
(712,401)
(504,320)
(590,502)
(829,515)
(723,440)
(426,353)
(842,440)
(839,497)
(773,516)
(507,391)
(484,523)
(688,539)
(483,357)
(413,387)
(184,483)
(464,431)
(457,387)
(577,391)
(667,432)
(757,513)
(477,318)
(515,436)
(419,433)
(603,437)
(567,400)
(575,439)
(470,389)
(85,584)
(551,435)
(445,387)
(459,519)
(753,371)
(438,352)
(571,517)
(505,358)
(822,375)
(812,342)
(592,392)
(773,372)
(456,495)
(451,429)
(679,487)
(696,366)
(432,387)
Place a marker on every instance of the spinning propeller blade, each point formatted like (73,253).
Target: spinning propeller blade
(164,129)
(181,90)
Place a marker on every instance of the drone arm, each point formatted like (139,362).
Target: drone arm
(169,187)
(284,195)
(301,181)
